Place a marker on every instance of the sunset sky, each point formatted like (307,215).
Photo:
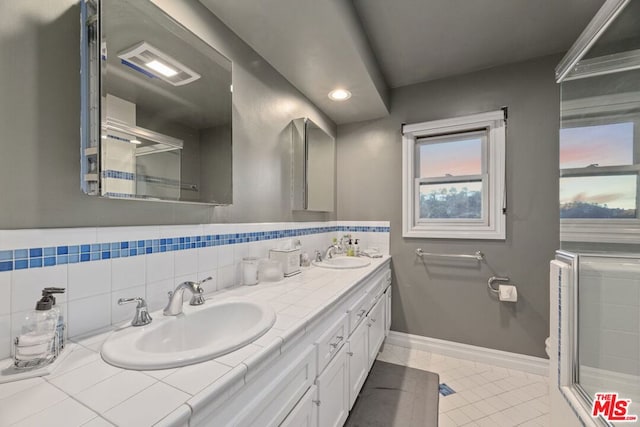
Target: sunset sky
(605,145)
(455,158)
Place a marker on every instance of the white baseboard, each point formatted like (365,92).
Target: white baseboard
(505,359)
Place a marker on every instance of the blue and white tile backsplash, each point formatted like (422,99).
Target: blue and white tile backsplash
(100,265)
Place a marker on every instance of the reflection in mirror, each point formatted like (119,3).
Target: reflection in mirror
(313,167)
(157,105)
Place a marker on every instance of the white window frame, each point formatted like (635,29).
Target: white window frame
(603,110)
(493,224)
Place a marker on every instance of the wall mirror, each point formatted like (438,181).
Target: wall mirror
(313,167)
(156,107)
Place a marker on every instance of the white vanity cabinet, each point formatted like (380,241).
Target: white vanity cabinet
(317,376)
(387,317)
(333,391)
(305,413)
(358,352)
(375,323)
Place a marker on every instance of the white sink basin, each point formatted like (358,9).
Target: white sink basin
(343,262)
(200,333)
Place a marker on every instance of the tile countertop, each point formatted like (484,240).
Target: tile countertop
(83,390)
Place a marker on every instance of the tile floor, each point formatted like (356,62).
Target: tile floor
(486,395)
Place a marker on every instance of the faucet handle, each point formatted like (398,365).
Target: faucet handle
(142,316)
(198,296)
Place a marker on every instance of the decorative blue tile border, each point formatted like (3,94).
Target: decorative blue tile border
(118,175)
(19,259)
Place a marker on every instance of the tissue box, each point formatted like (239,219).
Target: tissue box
(289,258)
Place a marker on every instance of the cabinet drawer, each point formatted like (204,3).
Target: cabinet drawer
(358,311)
(331,341)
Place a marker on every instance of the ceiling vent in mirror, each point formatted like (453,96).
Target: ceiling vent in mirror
(152,62)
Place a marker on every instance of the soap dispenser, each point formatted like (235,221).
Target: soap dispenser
(42,333)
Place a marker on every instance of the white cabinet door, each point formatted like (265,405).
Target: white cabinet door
(387,317)
(358,360)
(305,413)
(375,322)
(333,392)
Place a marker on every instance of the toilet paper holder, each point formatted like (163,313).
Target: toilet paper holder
(494,279)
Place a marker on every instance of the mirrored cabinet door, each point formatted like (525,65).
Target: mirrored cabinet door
(313,167)
(157,108)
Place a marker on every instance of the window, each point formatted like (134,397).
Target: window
(453,178)
(599,180)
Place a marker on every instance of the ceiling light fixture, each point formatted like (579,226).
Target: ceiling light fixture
(135,141)
(151,61)
(339,95)
(163,69)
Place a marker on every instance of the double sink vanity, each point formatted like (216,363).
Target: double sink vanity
(288,353)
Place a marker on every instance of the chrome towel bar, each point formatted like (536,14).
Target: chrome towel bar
(478,256)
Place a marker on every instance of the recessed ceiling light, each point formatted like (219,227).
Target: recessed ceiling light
(339,95)
(163,69)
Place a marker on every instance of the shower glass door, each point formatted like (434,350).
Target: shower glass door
(599,196)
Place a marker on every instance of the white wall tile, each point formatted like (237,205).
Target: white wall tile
(126,234)
(89,314)
(27,285)
(41,238)
(240,251)
(207,258)
(186,262)
(88,278)
(225,255)
(227,276)
(124,312)
(159,266)
(180,231)
(157,297)
(5,336)
(127,272)
(5,293)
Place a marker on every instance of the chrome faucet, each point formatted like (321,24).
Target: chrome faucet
(331,250)
(142,316)
(174,307)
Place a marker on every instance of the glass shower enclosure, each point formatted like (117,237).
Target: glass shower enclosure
(599,195)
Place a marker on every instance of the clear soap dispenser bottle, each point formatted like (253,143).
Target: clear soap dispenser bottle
(42,333)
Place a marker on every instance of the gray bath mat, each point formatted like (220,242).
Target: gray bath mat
(396,396)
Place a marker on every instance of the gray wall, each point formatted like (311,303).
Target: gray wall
(39,120)
(449,299)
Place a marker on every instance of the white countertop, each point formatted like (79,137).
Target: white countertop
(83,390)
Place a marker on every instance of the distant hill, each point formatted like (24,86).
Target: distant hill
(593,210)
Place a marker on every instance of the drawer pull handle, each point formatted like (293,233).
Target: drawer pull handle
(361,313)
(317,402)
(373,320)
(350,353)
(335,344)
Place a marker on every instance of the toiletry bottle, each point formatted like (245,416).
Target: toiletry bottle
(350,248)
(356,248)
(38,343)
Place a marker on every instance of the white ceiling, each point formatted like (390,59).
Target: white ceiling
(368,46)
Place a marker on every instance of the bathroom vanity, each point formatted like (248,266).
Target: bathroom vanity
(305,371)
